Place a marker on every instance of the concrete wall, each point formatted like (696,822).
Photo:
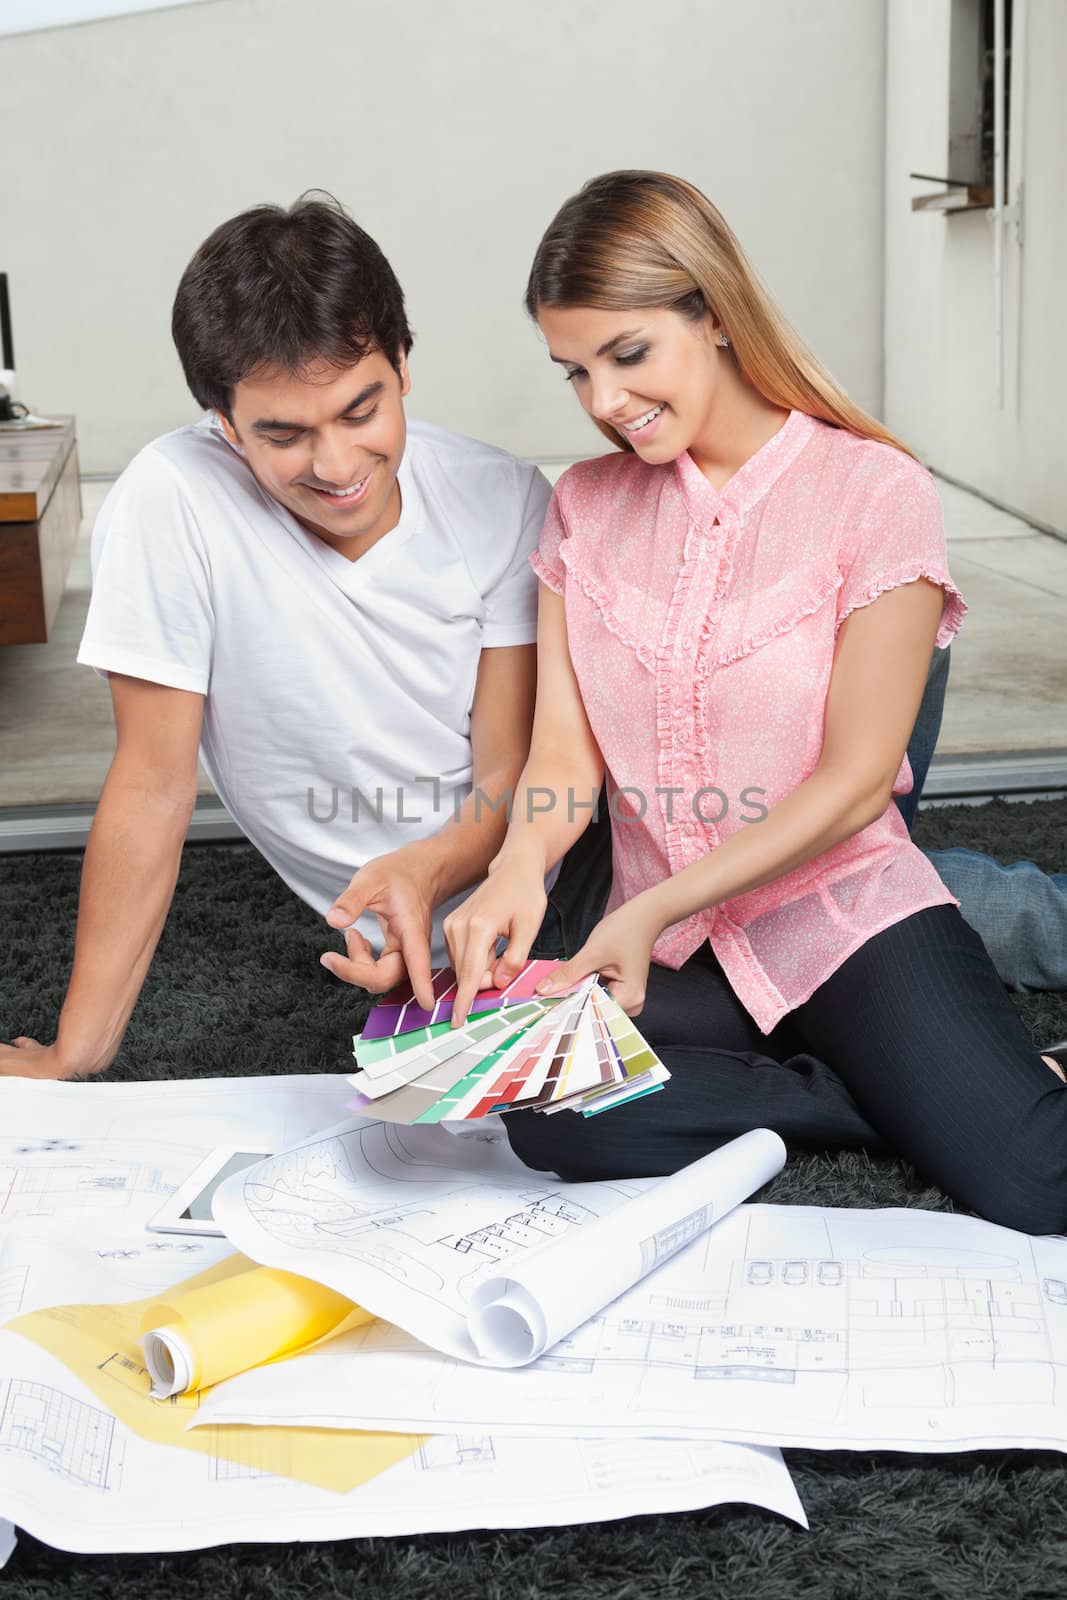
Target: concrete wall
(452,132)
(940,366)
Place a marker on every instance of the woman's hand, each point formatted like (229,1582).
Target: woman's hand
(511,902)
(620,949)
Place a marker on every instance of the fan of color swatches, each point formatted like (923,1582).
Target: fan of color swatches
(517,1050)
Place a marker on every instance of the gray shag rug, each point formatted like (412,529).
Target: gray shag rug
(236,989)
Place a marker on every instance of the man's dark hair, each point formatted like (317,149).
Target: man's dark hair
(277,288)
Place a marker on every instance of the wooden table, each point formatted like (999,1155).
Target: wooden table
(40,514)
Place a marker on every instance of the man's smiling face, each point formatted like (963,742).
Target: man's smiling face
(326,443)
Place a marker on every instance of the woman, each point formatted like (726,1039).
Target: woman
(738,609)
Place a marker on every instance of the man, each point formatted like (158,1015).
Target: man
(334,607)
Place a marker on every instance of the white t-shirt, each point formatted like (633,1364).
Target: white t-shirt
(331,685)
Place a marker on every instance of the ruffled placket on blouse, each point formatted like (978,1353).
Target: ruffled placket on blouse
(686,759)
(688,751)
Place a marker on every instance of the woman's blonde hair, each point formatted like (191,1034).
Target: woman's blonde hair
(636,240)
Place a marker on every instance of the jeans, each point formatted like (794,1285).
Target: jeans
(911,1045)
(1019,912)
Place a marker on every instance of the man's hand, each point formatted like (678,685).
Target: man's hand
(401,890)
(25,1058)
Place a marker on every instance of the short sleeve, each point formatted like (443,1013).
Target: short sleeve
(546,559)
(895,536)
(151,614)
(510,615)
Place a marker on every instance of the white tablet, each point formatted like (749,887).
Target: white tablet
(188,1209)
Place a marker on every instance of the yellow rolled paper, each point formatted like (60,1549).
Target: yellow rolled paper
(200,1336)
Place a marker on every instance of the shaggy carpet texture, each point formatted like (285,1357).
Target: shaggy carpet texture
(236,989)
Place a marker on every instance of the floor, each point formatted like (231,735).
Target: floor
(1008,690)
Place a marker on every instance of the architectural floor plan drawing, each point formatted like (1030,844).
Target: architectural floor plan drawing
(119,1153)
(12,1288)
(975,1319)
(101,1260)
(546,1215)
(456,1242)
(83,1481)
(326,1193)
(404,1220)
(101,1178)
(906,1330)
(451,1451)
(78,1467)
(857,1311)
(77,1441)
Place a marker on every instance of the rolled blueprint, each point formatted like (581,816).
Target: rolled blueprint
(197,1337)
(412,1224)
(516,1315)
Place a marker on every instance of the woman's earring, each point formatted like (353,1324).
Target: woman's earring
(724,341)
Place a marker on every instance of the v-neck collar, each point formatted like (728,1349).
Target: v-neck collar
(753,478)
(351,577)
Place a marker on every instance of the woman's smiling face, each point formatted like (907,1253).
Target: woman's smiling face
(651,374)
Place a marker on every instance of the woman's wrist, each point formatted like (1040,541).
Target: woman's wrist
(651,908)
(521,852)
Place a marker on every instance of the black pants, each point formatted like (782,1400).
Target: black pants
(910,1046)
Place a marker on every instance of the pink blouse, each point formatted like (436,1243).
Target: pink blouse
(701,624)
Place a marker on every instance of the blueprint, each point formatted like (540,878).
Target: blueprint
(105,1264)
(459,1244)
(84,1165)
(76,1477)
(90,1153)
(97,1341)
(895,1329)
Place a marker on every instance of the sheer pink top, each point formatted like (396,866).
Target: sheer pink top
(701,624)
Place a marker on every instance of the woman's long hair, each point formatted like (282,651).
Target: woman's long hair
(633,240)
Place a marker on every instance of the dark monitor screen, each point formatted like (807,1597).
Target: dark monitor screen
(7,346)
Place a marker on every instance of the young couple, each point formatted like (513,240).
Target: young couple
(737,611)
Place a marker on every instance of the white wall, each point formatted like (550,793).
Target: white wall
(452,132)
(940,371)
